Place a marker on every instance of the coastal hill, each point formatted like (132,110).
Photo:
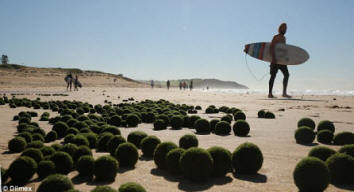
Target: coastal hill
(202,84)
(13,75)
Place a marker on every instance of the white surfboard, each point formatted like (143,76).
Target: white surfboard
(285,54)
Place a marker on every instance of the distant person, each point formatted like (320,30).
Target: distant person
(180,85)
(207,87)
(69,81)
(168,84)
(274,67)
(191,85)
(152,84)
(184,85)
(77,83)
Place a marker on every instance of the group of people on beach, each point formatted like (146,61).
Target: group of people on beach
(183,85)
(72,80)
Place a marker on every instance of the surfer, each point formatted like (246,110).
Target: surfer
(274,67)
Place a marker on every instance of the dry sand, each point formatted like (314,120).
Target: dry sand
(274,137)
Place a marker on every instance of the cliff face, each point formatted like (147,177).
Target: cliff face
(202,83)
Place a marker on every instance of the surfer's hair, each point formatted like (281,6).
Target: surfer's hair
(280,26)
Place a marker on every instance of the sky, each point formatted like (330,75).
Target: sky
(174,39)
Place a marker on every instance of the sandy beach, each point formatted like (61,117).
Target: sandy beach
(275,137)
(261,92)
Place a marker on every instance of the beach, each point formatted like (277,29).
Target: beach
(275,137)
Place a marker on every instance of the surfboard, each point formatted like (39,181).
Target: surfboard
(285,54)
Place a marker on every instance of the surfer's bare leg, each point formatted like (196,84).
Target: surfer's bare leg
(71,84)
(273,74)
(271,83)
(285,72)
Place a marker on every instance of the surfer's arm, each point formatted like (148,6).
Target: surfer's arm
(272,50)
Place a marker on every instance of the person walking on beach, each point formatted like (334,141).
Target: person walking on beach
(168,84)
(180,85)
(152,84)
(274,67)
(76,83)
(69,81)
(191,85)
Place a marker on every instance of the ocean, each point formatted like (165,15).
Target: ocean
(294,92)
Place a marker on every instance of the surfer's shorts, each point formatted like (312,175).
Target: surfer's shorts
(275,67)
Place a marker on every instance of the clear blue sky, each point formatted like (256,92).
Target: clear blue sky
(171,39)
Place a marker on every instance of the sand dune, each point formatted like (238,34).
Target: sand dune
(22,76)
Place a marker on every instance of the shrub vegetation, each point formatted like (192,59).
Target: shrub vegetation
(55,183)
(45,168)
(131,187)
(326,125)
(222,161)
(321,152)
(160,153)
(343,138)
(247,159)
(127,154)
(196,164)
(306,122)
(17,144)
(63,162)
(21,170)
(187,141)
(172,160)
(135,137)
(148,145)
(311,174)
(202,126)
(304,135)
(222,128)
(85,165)
(105,168)
(241,128)
(341,168)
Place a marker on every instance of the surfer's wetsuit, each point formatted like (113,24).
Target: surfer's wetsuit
(275,67)
(273,73)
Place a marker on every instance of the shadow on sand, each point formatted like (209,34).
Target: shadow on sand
(125,169)
(308,145)
(187,185)
(255,178)
(293,99)
(78,179)
(144,158)
(166,175)
(95,182)
(7,153)
(346,187)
